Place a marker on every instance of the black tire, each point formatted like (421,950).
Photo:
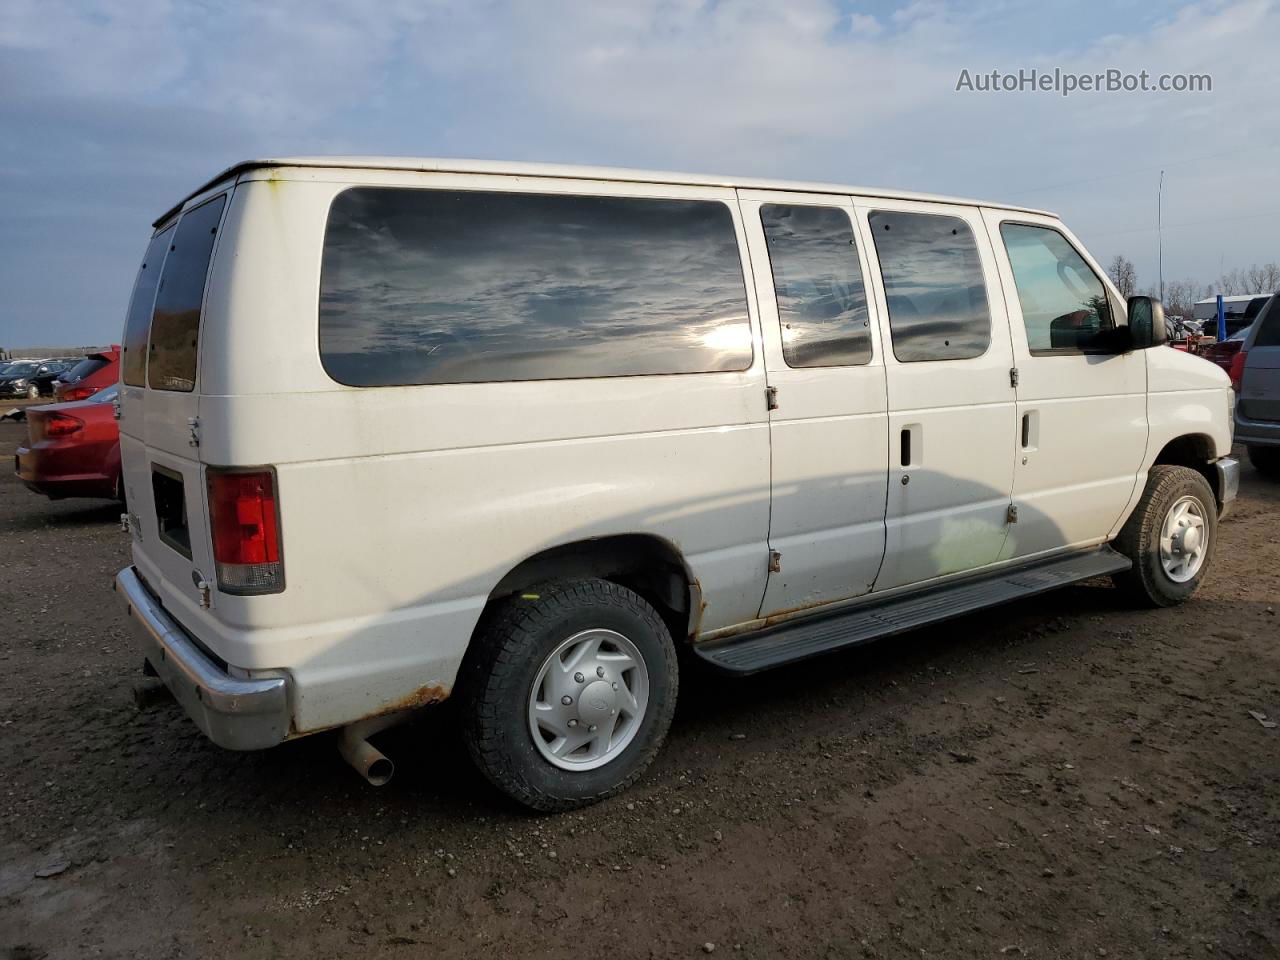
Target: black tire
(514,639)
(1266,460)
(1147,583)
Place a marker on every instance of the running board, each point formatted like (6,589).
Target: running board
(801,639)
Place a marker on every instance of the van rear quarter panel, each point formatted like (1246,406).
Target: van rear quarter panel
(402,507)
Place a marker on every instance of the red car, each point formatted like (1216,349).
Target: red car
(73,449)
(93,373)
(1227,354)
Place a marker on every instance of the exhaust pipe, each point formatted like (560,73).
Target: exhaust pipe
(370,762)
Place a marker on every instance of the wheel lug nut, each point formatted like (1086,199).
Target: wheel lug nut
(599,671)
(572,722)
(591,729)
(579,678)
(566,700)
(613,713)
(615,686)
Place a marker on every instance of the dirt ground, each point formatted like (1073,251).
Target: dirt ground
(1064,777)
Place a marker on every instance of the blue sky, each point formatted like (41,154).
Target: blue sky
(113,110)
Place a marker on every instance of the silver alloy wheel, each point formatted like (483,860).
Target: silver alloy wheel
(588,700)
(1184,540)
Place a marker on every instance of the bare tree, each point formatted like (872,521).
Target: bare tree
(1124,275)
(1180,296)
(1231,284)
(1261,279)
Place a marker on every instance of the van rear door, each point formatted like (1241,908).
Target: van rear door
(159,404)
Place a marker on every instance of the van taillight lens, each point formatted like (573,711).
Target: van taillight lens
(61,425)
(244,521)
(1236,370)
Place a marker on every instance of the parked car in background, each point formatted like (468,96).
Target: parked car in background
(73,449)
(1255,373)
(95,372)
(48,376)
(396,431)
(1238,311)
(30,378)
(1223,352)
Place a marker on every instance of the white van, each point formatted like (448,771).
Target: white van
(400,430)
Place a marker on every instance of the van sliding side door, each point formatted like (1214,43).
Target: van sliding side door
(827,394)
(951,396)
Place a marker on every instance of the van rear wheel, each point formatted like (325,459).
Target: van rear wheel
(568,693)
(1170,537)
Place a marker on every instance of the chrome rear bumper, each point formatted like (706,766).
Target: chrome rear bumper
(233,713)
(1228,482)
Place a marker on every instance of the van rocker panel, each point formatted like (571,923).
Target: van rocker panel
(790,642)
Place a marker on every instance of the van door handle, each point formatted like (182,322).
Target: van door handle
(1030,431)
(911,445)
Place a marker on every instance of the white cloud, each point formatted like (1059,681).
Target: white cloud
(133,101)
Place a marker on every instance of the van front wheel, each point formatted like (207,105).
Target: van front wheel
(568,693)
(1170,537)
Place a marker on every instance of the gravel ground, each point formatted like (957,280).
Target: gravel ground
(1063,777)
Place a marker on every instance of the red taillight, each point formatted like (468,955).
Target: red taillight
(243,518)
(1236,370)
(61,425)
(77,393)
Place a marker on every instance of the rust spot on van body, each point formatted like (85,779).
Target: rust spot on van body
(788,613)
(422,697)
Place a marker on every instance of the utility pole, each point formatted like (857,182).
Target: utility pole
(1160,234)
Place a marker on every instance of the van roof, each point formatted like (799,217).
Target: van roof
(572,171)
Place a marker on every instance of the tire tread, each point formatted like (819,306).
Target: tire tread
(507,633)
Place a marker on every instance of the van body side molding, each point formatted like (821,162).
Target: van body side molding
(800,640)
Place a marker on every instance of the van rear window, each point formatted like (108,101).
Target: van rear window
(175,325)
(137,324)
(435,286)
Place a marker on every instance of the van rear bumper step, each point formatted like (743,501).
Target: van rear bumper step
(789,642)
(233,713)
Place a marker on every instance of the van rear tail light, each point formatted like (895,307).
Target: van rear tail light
(1236,370)
(244,518)
(61,425)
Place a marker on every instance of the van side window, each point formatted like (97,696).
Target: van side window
(137,324)
(933,285)
(175,325)
(1064,304)
(441,286)
(822,305)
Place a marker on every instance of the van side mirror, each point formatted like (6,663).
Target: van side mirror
(1146,323)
